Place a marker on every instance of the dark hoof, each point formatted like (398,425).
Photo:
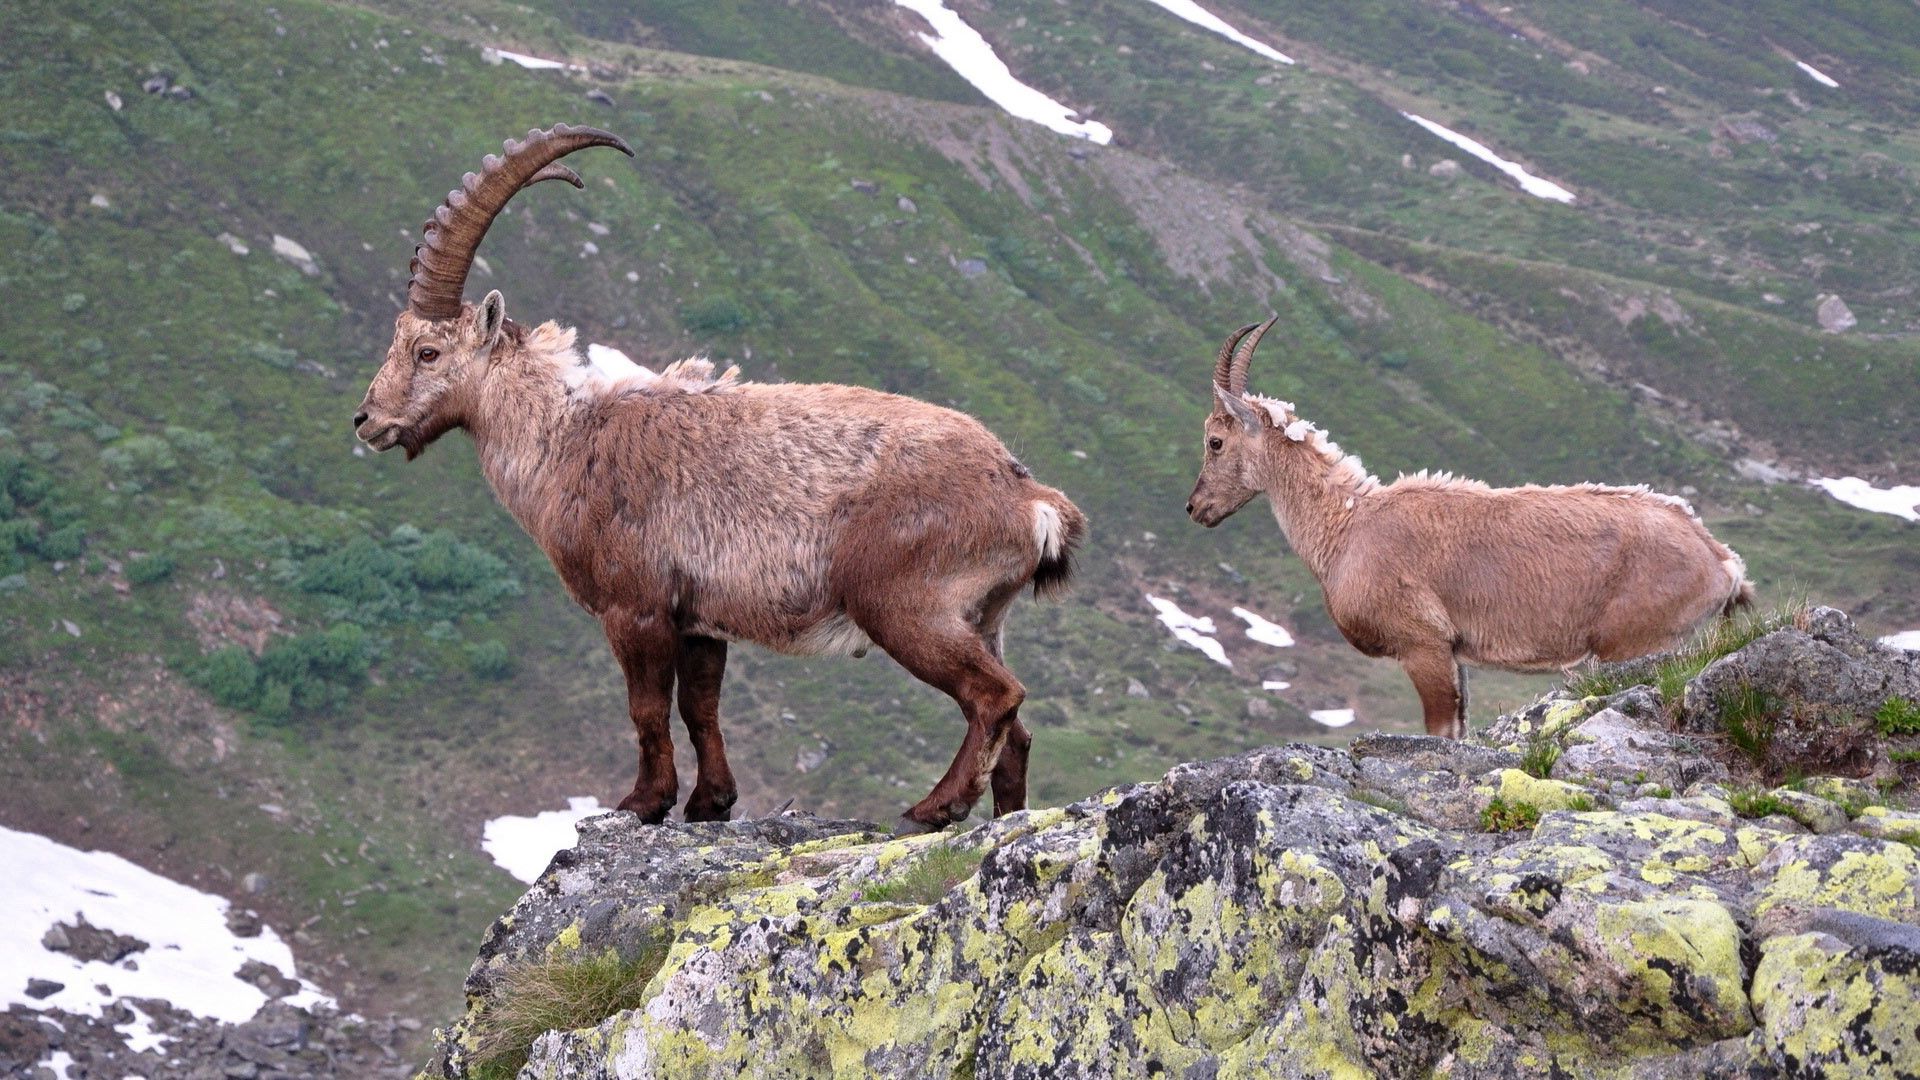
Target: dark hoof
(652,814)
(907,826)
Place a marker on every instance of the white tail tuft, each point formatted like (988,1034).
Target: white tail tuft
(1048,532)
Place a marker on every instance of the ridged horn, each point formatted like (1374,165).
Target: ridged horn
(1236,381)
(452,235)
(1223,363)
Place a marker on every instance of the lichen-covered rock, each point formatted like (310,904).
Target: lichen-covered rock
(1573,893)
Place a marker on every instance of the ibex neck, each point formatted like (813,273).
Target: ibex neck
(520,417)
(1314,488)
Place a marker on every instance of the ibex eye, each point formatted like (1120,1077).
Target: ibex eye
(427,355)
(1215,443)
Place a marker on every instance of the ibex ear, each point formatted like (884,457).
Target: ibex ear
(1238,408)
(493,319)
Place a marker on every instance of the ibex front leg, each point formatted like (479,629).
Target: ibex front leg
(701,666)
(645,645)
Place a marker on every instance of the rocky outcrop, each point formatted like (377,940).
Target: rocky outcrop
(1582,891)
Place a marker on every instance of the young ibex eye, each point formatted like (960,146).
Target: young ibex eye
(427,354)
(1214,444)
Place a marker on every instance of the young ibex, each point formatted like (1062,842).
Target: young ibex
(1438,572)
(687,511)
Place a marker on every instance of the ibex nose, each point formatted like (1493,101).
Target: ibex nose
(359,418)
(1189,507)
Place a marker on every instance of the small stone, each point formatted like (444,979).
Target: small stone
(71,629)
(1835,316)
(114,102)
(864,187)
(156,84)
(1445,169)
(55,939)
(254,883)
(39,989)
(906,205)
(971,268)
(1137,689)
(600,96)
(243,923)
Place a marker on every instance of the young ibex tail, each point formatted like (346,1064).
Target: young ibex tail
(1438,572)
(686,510)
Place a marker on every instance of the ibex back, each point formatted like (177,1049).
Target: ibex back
(1438,572)
(687,511)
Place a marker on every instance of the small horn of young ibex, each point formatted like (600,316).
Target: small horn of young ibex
(1438,572)
(686,510)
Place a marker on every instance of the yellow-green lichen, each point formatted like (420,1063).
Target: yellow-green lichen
(1882,880)
(1833,1011)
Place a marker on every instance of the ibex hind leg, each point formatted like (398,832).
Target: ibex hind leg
(948,654)
(1010,770)
(701,666)
(1436,678)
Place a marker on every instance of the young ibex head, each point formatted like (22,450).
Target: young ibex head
(442,346)
(1233,467)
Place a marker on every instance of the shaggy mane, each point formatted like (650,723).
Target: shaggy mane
(602,371)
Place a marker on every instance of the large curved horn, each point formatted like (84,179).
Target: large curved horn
(1237,365)
(450,238)
(1223,363)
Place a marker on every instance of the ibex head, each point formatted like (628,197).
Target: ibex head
(1234,462)
(442,346)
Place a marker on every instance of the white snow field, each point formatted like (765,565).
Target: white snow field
(1197,632)
(1901,500)
(523,846)
(1816,75)
(1334,718)
(1263,631)
(1207,20)
(964,50)
(1529,183)
(191,958)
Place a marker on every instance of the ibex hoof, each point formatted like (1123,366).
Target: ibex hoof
(907,826)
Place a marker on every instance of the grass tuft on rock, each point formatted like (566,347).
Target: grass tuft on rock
(1756,803)
(1897,716)
(1503,816)
(555,994)
(1670,674)
(1748,715)
(931,877)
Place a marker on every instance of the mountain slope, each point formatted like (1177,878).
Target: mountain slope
(262,615)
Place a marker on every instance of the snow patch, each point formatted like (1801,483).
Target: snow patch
(523,846)
(1905,639)
(191,958)
(1275,685)
(1529,183)
(1816,75)
(1901,501)
(1264,632)
(493,55)
(1205,19)
(1334,718)
(966,52)
(59,1062)
(1195,632)
(296,253)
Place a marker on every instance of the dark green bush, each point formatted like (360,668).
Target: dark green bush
(489,659)
(149,569)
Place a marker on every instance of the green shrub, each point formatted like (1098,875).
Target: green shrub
(1755,803)
(1503,816)
(1897,716)
(149,569)
(228,675)
(720,314)
(489,659)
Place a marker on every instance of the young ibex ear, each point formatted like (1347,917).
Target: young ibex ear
(1238,408)
(493,318)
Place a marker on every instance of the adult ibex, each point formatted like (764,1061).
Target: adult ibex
(1438,572)
(687,511)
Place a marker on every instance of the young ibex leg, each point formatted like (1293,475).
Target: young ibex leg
(645,646)
(954,660)
(1434,674)
(700,666)
(1010,771)
(1460,670)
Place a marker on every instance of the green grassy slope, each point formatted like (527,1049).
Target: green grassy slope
(260,615)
